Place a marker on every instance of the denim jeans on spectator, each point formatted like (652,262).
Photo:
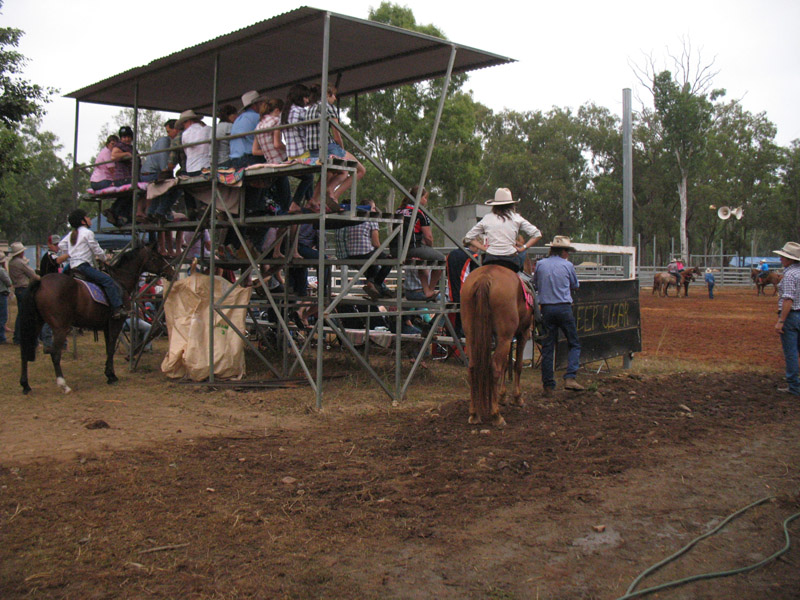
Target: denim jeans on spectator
(3,316)
(100,185)
(375,273)
(313,253)
(790,338)
(20,293)
(557,317)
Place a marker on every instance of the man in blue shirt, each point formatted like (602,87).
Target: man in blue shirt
(555,279)
(242,147)
(710,281)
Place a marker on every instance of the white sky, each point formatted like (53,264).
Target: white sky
(569,52)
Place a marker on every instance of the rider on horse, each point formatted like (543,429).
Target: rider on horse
(79,247)
(763,269)
(500,229)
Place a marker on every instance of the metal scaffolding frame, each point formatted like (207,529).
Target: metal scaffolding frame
(326,317)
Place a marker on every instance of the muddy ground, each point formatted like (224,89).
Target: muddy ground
(195,493)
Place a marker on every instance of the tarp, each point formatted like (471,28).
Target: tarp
(187,312)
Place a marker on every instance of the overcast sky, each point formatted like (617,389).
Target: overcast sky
(569,52)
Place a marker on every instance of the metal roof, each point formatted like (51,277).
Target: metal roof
(271,56)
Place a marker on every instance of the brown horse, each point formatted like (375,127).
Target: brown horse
(662,281)
(63,302)
(773,278)
(492,302)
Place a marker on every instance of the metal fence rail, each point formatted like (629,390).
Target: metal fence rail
(724,276)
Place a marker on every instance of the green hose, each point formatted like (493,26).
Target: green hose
(631,594)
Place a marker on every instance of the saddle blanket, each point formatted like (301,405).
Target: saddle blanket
(526,289)
(95,291)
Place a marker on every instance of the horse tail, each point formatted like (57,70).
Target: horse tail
(30,322)
(481,374)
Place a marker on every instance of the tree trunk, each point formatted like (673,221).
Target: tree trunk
(682,193)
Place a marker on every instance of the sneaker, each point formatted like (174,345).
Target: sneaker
(371,291)
(786,390)
(571,384)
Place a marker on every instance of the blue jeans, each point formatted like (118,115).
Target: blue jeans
(104,280)
(3,316)
(20,293)
(790,338)
(711,291)
(555,317)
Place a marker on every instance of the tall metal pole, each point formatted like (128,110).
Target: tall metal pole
(212,266)
(75,158)
(627,189)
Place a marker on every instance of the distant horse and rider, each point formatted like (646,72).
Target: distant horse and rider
(772,278)
(63,302)
(662,281)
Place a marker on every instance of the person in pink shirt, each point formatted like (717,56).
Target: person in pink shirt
(103,174)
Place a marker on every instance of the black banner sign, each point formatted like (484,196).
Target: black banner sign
(607,318)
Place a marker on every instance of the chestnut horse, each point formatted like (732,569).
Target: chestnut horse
(662,281)
(63,302)
(493,303)
(773,278)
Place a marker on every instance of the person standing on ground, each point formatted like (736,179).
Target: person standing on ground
(710,281)
(49,264)
(5,289)
(788,325)
(22,275)
(555,279)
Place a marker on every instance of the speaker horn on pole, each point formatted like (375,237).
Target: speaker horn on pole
(724,213)
(738,212)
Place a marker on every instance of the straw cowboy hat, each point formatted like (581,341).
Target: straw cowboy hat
(250,98)
(790,250)
(186,115)
(561,241)
(16,248)
(501,196)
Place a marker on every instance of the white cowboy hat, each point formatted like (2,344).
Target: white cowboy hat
(790,250)
(501,196)
(16,248)
(186,115)
(250,98)
(561,241)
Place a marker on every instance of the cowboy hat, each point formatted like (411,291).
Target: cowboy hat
(501,196)
(186,115)
(561,241)
(790,250)
(251,97)
(16,248)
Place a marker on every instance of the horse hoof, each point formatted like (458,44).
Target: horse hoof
(112,380)
(62,383)
(474,420)
(26,389)
(498,420)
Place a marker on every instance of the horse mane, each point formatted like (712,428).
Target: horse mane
(126,257)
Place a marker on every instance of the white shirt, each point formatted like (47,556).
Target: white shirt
(84,249)
(197,157)
(501,234)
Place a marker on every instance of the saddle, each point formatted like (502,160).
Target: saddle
(96,292)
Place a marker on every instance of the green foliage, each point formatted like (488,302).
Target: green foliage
(19,98)
(394,126)
(36,200)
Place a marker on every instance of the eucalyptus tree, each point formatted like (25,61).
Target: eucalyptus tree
(683,101)
(394,126)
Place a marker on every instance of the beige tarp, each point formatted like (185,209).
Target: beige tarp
(186,309)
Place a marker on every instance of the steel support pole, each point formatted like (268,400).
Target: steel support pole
(323,181)
(627,190)
(212,219)
(134,331)
(75,199)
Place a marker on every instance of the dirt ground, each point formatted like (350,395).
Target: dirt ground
(197,493)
